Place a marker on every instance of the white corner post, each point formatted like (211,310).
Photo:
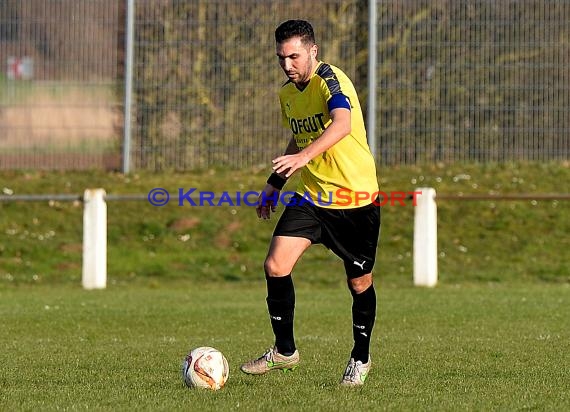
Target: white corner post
(94,239)
(425,238)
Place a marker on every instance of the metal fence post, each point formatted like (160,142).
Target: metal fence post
(129,47)
(372,73)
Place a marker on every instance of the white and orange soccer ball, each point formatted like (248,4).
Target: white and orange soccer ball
(205,367)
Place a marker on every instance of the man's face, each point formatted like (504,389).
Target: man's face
(297,60)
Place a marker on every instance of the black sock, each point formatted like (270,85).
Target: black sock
(281,306)
(363,317)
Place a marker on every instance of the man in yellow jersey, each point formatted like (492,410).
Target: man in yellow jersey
(320,106)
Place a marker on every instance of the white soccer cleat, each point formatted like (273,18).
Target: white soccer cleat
(356,372)
(271,360)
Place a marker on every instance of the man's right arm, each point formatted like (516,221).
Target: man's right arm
(292,148)
(270,191)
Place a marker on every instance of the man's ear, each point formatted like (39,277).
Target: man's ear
(314,51)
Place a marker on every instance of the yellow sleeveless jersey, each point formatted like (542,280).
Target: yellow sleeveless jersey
(344,176)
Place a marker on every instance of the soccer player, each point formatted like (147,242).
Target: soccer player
(329,147)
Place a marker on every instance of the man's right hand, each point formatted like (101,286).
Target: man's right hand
(267,202)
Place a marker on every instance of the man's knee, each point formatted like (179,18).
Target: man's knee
(274,268)
(361,283)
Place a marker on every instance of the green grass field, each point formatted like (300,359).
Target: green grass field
(479,347)
(492,336)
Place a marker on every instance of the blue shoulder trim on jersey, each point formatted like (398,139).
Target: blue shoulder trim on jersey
(338,101)
(326,73)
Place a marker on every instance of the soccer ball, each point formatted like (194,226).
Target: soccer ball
(205,367)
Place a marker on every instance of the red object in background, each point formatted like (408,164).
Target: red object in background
(20,68)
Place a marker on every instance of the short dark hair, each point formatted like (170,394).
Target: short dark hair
(295,28)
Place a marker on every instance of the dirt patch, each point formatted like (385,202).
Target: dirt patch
(60,128)
(71,248)
(58,118)
(61,161)
(184,224)
(224,238)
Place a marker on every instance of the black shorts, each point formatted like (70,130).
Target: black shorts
(352,234)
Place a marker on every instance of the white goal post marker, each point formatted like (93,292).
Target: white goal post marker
(94,275)
(425,238)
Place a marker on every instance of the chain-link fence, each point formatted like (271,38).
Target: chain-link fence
(59,84)
(474,80)
(206,77)
(461,80)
